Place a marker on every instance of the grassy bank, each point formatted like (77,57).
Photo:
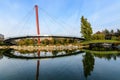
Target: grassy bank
(100,41)
(102,52)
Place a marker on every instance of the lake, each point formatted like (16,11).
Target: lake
(59,65)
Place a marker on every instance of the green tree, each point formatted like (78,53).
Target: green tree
(118,38)
(112,31)
(86,29)
(106,32)
(114,38)
(118,32)
(53,41)
(21,42)
(98,37)
(46,41)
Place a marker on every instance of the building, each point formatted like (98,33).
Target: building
(1,37)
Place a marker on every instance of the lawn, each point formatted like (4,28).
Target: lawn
(101,52)
(100,41)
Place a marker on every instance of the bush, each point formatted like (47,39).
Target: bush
(98,37)
(114,38)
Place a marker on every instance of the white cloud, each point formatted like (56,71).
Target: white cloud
(106,17)
(106,14)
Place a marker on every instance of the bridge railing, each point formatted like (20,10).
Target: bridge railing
(43,35)
(28,36)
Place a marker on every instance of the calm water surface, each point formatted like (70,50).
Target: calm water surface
(82,66)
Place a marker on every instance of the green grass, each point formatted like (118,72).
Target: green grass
(102,52)
(100,41)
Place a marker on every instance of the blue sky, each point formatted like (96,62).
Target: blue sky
(57,17)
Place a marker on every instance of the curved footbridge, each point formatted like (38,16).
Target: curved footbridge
(9,40)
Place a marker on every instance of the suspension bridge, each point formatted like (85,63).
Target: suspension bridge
(38,36)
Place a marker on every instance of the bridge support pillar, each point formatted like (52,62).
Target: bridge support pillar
(37,23)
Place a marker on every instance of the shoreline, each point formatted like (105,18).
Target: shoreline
(48,47)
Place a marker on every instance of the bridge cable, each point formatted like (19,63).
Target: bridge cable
(27,23)
(21,24)
(45,22)
(53,19)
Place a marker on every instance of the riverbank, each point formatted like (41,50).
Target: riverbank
(99,41)
(101,52)
(53,47)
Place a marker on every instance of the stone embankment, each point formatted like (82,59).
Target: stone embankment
(61,47)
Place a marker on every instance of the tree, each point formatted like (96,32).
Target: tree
(86,29)
(112,32)
(98,36)
(114,38)
(52,41)
(46,42)
(106,32)
(118,32)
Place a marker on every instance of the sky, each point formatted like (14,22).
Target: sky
(57,17)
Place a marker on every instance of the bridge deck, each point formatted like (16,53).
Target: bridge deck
(22,37)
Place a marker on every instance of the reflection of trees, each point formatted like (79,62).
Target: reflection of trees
(101,48)
(107,56)
(26,51)
(104,46)
(3,51)
(1,55)
(104,54)
(55,52)
(69,51)
(88,64)
(32,54)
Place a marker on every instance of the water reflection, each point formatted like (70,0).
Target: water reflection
(88,64)
(43,54)
(38,65)
(37,71)
(107,56)
(1,55)
(104,54)
(27,55)
(87,61)
(2,51)
(104,47)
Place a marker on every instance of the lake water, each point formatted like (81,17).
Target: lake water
(72,65)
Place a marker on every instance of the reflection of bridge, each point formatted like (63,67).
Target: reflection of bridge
(9,53)
(22,37)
